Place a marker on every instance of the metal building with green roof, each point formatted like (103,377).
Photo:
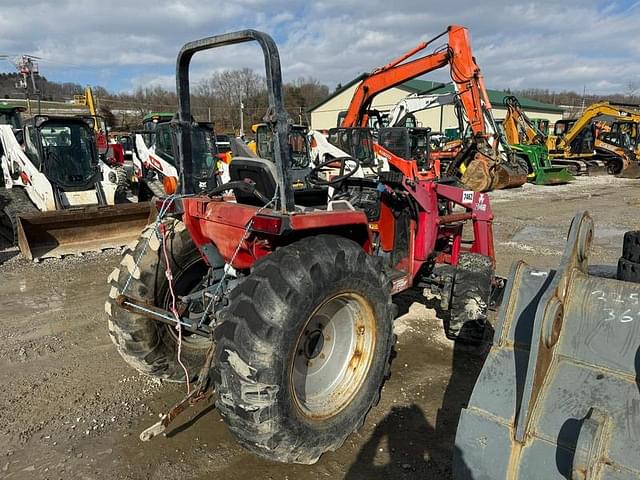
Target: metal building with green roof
(324,115)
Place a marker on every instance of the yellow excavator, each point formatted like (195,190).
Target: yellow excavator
(582,146)
(624,132)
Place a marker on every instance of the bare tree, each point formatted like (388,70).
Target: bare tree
(632,88)
(223,92)
(302,94)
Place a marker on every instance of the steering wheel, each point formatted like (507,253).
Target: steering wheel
(315,180)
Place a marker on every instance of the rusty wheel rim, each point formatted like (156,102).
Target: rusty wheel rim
(333,356)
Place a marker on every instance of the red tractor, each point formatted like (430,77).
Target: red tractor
(283,298)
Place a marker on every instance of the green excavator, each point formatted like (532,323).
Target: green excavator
(528,142)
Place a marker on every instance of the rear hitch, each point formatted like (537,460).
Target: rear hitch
(164,316)
(202,390)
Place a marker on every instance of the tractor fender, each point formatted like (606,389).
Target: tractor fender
(244,233)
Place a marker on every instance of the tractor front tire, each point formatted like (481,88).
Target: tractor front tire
(470,298)
(303,349)
(147,345)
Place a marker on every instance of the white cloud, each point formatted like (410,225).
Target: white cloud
(543,44)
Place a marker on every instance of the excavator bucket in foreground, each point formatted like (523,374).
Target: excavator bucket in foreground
(559,393)
(71,232)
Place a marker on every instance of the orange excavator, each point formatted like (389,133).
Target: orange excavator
(481,163)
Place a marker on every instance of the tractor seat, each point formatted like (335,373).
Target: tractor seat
(260,171)
(263,173)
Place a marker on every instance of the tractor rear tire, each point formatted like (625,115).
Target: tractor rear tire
(304,348)
(147,345)
(470,298)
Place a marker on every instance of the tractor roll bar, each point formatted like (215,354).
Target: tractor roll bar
(276,116)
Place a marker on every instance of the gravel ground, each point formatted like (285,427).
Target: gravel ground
(70,408)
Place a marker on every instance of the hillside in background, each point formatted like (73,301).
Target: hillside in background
(218,98)
(576,101)
(215,99)
(52,91)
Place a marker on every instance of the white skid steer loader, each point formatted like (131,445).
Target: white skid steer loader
(154,159)
(59,198)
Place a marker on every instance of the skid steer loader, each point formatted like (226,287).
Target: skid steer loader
(155,153)
(282,300)
(58,197)
(10,115)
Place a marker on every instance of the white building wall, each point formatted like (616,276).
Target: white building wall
(439,119)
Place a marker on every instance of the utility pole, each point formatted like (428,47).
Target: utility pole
(27,67)
(241,119)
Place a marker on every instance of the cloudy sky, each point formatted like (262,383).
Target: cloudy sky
(122,44)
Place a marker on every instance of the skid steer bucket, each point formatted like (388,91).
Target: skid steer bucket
(541,171)
(90,229)
(559,394)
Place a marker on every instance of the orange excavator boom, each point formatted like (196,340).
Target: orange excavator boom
(469,85)
(464,72)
